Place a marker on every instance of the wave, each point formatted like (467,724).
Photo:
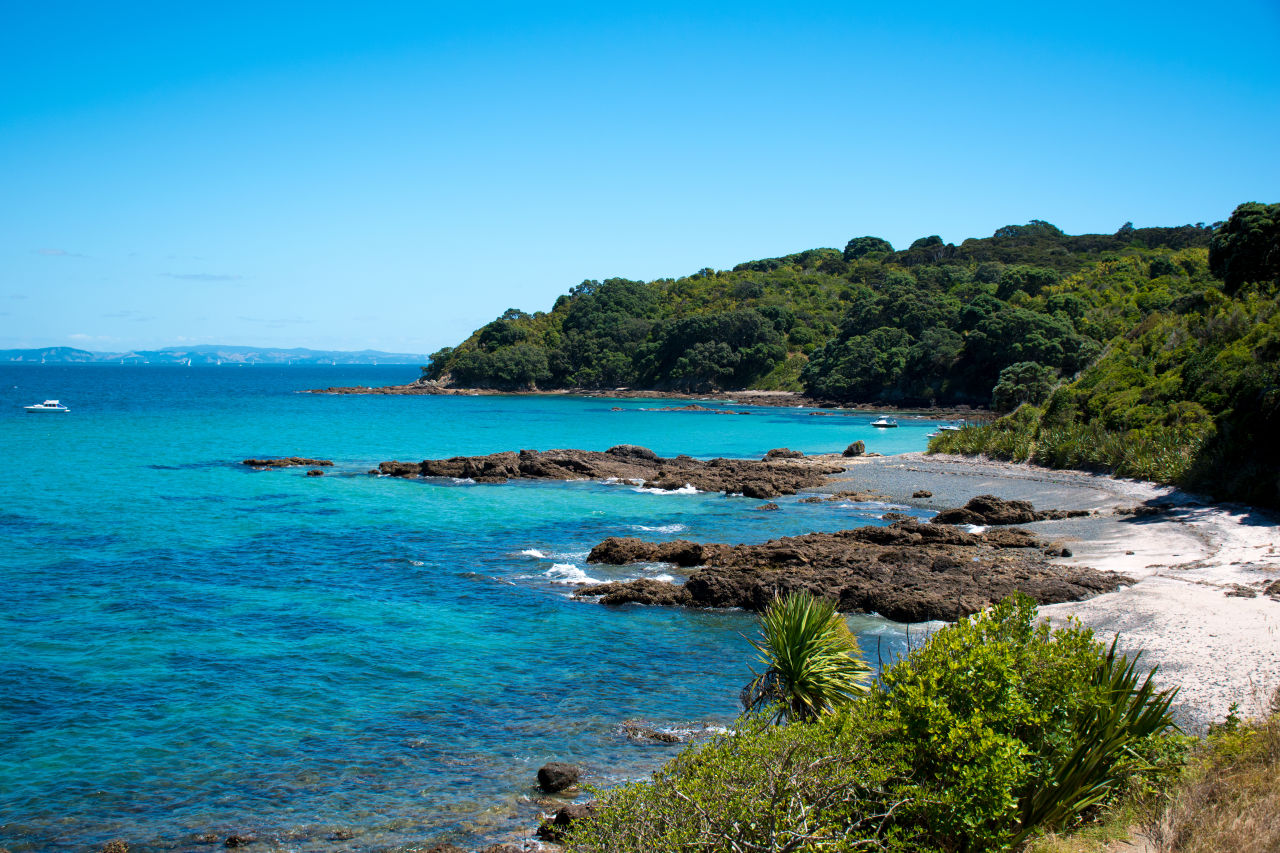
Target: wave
(567,573)
(661,528)
(686,489)
(534,553)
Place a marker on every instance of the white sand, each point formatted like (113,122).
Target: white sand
(1217,648)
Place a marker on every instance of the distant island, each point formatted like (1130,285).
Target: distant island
(208,355)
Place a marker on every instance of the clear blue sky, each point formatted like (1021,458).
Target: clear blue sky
(392,175)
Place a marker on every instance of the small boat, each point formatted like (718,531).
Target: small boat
(882,421)
(932,434)
(949,428)
(47,406)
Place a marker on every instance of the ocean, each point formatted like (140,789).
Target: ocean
(191,649)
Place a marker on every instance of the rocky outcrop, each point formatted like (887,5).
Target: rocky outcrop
(640,591)
(908,572)
(627,462)
(555,776)
(856,449)
(989,509)
(783,453)
(620,550)
(287,462)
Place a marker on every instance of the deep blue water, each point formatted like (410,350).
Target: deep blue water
(343,662)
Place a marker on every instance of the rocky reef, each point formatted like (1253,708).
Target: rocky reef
(909,572)
(765,478)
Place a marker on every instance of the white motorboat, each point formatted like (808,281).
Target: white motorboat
(884,422)
(47,406)
(949,428)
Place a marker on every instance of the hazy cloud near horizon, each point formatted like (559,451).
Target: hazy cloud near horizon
(59,253)
(202,276)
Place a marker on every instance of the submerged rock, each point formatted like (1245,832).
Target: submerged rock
(286,462)
(628,463)
(909,572)
(553,829)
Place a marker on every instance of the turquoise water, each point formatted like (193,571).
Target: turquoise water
(343,662)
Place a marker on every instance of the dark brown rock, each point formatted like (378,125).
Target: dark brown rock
(315,472)
(239,840)
(783,453)
(639,591)
(286,462)
(856,449)
(118,845)
(754,478)
(621,550)
(922,493)
(554,829)
(557,775)
(1273,590)
(769,507)
(445,848)
(989,509)
(502,848)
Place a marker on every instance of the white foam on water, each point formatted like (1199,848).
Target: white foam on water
(416,563)
(533,552)
(661,528)
(463,481)
(567,573)
(975,528)
(686,489)
(664,577)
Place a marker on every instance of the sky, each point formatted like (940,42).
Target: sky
(392,175)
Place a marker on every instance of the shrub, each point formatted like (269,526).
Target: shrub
(811,657)
(993,729)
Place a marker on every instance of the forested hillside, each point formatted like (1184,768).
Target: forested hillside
(935,323)
(1151,351)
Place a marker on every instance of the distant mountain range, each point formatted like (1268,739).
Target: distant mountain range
(208,355)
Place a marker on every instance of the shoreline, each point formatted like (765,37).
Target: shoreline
(1205,605)
(747,397)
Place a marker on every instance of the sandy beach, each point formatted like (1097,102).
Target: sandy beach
(1199,607)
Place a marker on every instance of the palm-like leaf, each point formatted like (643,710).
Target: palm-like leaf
(1102,754)
(811,659)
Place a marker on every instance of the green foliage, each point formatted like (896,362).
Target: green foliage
(812,661)
(1247,248)
(758,788)
(860,247)
(876,324)
(996,727)
(1024,382)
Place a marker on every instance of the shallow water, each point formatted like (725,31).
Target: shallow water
(344,662)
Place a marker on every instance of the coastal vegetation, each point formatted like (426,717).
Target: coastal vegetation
(812,661)
(994,730)
(1150,352)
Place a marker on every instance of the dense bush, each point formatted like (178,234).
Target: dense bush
(995,728)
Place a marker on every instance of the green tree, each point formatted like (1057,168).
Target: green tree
(1247,248)
(861,246)
(1024,382)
